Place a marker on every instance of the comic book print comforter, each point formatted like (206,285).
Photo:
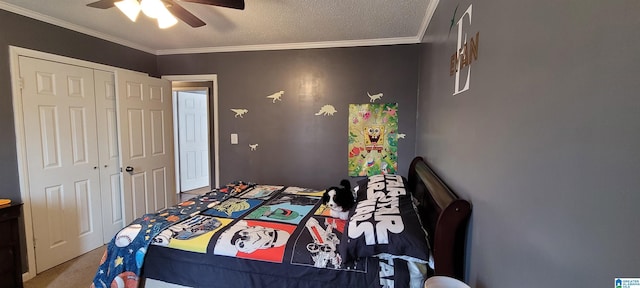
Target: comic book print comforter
(123,259)
(267,236)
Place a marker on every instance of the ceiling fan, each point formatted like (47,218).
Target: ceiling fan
(160,8)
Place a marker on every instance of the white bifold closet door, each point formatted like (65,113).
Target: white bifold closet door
(82,129)
(59,109)
(146,137)
(111,194)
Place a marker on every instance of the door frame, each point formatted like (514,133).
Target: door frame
(213,78)
(23,176)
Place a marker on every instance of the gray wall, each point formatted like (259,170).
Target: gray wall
(545,144)
(297,147)
(16,30)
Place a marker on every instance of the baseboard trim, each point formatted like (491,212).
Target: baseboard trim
(26,276)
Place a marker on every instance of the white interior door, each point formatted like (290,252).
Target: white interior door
(61,146)
(193,139)
(107,131)
(146,136)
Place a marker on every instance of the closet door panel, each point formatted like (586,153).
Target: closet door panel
(59,118)
(111,192)
(146,130)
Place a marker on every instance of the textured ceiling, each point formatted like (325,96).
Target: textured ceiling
(263,25)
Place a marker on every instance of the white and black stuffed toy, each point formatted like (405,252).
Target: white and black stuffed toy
(339,200)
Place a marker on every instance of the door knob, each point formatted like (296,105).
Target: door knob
(128,169)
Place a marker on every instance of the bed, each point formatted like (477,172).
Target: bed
(400,232)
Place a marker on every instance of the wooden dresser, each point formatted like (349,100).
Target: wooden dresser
(10,263)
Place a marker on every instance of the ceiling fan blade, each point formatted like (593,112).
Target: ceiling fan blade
(102,4)
(183,14)
(235,4)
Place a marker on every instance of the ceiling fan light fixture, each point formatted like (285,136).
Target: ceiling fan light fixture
(130,8)
(153,8)
(166,20)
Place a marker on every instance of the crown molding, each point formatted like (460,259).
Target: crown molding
(291,46)
(431,9)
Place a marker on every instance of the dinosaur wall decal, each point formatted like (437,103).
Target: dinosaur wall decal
(327,110)
(374,97)
(276,96)
(239,112)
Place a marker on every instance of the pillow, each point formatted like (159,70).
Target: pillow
(380,182)
(384,223)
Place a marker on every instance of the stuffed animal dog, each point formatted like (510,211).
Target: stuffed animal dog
(339,200)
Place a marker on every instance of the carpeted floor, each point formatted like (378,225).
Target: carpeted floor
(77,272)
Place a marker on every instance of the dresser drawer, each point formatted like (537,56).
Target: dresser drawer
(10,266)
(8,213)
(6,234)
(6,266)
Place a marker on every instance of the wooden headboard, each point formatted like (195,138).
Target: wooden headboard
(444,216)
